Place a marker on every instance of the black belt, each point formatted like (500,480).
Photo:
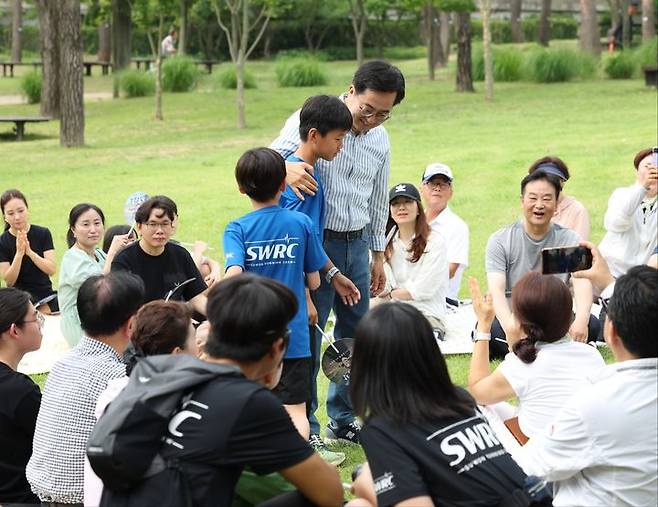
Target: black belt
(346,236)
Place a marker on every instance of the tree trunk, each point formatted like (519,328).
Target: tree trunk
(432,36)
(626,34)
(464,71)
(648,20)
(72,124)
(48,23)
(589,28)
(16,28)
(544,23)
(239,75)
(158,71)
(485,12)
(359,24)
(515,20)
(104,42)
(121,34)
(444,35)
(182,31)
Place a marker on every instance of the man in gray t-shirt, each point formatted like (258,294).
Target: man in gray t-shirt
(516,249)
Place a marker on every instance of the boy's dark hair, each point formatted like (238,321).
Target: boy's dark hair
(260,172)
(247,313)
(323,113)
(379,76)
(633,309)
(541,175)
(156,202)
(106,302)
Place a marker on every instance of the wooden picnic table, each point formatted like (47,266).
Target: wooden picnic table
(146,60)
(105,66)
(11,65)
(207,64)
(20,122)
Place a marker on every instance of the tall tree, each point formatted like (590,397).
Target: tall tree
(16,28)
(588,35)
(648,19)
(432,36)
(359,17)
(243,25)
(545,22)
(184,26)
(72,117)
(515,20)
(485,13)
(48,34)
(121,34)
(104,41)
(444,34)
(626,28)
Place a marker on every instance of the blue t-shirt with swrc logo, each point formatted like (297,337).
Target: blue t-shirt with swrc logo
(312,205)
(280,244)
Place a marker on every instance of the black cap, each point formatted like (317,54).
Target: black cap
(404,190)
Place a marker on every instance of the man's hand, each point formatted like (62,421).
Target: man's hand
(578,331)
(377,274)
(599,274)
(347,291)
(298,176)
(482,306)
(649,178)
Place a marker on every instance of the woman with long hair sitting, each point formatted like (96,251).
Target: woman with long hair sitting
(545,366)
(425,440)
(416,260)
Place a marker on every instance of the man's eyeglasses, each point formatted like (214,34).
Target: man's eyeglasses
(38,318)
(154,226)
(368,112)
(443,185)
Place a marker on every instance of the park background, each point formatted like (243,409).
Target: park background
(560,99)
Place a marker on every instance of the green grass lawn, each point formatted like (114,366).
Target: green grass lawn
(595,126)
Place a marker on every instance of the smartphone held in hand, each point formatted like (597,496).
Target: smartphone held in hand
(565,259)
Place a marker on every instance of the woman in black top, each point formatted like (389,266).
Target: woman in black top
(27,254)
(425,440)
(20,332)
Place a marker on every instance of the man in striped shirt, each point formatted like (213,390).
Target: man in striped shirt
(355,186)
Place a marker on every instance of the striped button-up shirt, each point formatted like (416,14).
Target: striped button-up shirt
(355,183)
(66,418)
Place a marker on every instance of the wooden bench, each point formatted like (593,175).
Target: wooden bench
(207,64)
(650,75)
(11,65)
(20,122)
(105,66)
(146,60)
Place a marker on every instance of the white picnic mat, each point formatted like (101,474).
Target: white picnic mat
(53,347)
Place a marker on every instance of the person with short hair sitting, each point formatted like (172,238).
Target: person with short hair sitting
(600,448)
(20,332)
(545,366)
(516,249)
(234,421)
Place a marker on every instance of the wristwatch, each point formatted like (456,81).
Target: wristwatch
(478,336)
(329,275)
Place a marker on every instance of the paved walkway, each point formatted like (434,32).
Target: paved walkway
(10,100)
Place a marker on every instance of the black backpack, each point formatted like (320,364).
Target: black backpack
(123,446)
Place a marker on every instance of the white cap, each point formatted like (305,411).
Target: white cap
(437,169)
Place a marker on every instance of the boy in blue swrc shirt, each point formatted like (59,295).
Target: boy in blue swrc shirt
(324,121)
(281,244)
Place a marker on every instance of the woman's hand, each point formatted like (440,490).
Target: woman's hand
(482,306)
(22,245)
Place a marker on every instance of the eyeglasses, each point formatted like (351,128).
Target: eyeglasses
(368,112)
(38,318)
(154,226)
(443,185)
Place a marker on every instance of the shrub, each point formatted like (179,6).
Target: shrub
(588,65)
(620,65)
(31,87)
(335,53)
(135,83)
(507,64)
(647,53)
(179,74)
(294,54)
(299,72)
(552,65)
(228,79)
